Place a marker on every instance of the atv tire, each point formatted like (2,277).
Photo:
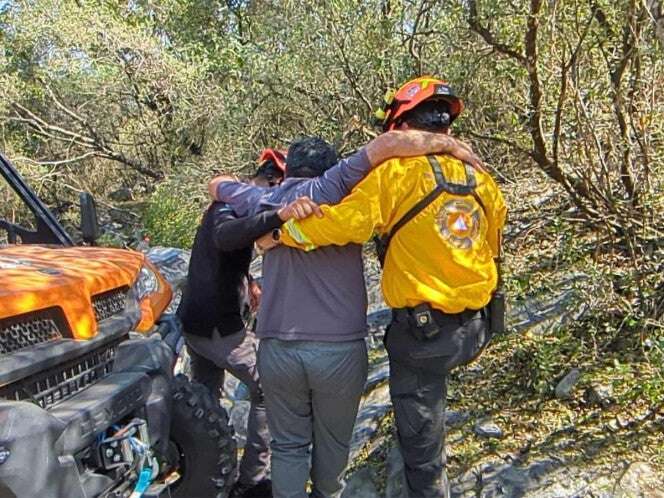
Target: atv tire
(204,440)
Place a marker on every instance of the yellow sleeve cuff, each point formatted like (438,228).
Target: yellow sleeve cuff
(292,236)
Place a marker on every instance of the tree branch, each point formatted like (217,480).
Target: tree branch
(510,143)
(564,70)
(346,68)
(58,163)
(488,36)
(99,148)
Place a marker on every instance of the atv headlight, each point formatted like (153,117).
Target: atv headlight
(146,283)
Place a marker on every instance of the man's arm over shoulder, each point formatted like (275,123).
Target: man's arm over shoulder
(242,198)
(354,220)
(328,188)
(339,180)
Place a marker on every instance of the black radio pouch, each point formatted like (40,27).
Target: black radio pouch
(497,313)
(423,321)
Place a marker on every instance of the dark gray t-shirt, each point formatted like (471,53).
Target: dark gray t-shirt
(318,295)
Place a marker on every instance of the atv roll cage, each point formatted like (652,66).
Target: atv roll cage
(48,228)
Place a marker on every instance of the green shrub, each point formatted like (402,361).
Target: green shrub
(171,217)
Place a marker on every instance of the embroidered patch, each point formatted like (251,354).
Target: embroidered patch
(459,223)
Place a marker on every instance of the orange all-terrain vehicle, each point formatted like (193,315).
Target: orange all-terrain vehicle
(89,406)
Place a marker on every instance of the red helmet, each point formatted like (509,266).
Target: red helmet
(278,157)
(413,93)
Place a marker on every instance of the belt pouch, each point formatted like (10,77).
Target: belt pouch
(423,322)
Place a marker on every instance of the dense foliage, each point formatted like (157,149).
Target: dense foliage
(117,98)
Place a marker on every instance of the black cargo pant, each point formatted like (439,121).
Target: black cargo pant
(418,387)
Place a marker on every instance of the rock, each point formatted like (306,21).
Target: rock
(395,487)
(230,385)
(454,439)
(599,395)
(623,422)
(488,471)
(638,480)
(493,490)
(641,480)
(360,485)
(239,418)
(515,478)
(378,376)
(465,483)
(226,404)
(455,418)
(475,368)
(121,216)
(379,319)
(488,429)
(613,426)
(372,277)
(121,195)
(566,385)
(539,315)
(500,479)
(538,470)
(172,263)
(373,408)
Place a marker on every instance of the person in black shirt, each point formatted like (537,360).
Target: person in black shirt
(215,297)
(217,281)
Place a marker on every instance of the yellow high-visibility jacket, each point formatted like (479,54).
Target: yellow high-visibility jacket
(444,256)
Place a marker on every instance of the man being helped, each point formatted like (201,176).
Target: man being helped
(440,223)
(212,308)
(312,320)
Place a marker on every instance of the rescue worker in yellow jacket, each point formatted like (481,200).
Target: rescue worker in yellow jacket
(439,224)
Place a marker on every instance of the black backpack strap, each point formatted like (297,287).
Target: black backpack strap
(469,188)
(442,185)
(383,242)
(454,188)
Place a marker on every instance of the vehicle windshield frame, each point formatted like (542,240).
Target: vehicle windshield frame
(48,228)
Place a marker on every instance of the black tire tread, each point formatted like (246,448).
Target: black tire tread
(205,420)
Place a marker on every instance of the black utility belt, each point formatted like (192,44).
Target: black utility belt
(428,321)
(425,312)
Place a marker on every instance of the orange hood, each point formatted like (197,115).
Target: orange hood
(37,277)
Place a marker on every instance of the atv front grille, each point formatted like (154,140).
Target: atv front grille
(22,331)
(110,303)
(62,382)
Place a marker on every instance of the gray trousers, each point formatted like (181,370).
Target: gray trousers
(312,393)
(210,358)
